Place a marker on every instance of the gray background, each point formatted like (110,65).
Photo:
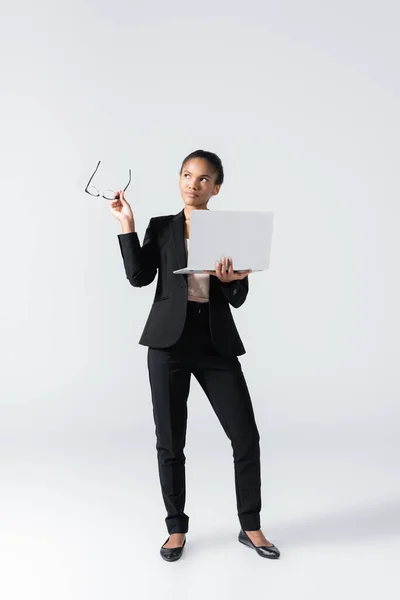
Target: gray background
(301,101)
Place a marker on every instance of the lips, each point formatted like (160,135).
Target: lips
(191,194)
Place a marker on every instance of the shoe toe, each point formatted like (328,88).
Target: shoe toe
(265,551)
(268,551)
(172,554)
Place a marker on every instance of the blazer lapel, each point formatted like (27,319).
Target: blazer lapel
(177,228)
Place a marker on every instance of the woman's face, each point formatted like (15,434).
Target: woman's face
(196,182)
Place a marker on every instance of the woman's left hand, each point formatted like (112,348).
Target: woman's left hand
(227,275)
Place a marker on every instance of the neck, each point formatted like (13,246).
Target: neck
(188,210)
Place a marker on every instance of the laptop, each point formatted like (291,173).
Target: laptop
(245,236)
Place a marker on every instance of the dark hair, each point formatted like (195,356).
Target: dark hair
(212,158)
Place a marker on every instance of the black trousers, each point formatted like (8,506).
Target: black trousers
(223,382)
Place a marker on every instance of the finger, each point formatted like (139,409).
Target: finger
(223,268)
(222,273)
(226,273)
(230,270)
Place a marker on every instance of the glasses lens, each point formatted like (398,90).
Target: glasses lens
(109,194)
(92,190)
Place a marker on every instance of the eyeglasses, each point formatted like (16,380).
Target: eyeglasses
(108,194)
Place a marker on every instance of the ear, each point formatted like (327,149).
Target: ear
(216,189)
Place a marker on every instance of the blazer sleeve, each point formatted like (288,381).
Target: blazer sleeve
(235,291)
(140,262)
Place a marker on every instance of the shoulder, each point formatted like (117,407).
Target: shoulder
(161,218)
(160,221)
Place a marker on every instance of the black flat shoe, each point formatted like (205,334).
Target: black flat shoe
(265,551)
(171,554)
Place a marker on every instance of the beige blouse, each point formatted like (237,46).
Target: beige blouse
(198,283)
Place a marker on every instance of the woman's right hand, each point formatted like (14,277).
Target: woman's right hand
(121,209)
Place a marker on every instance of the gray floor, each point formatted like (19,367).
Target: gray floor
(82,520)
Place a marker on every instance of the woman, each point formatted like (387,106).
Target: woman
(190,330)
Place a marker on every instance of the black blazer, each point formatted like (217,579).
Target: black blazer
(164,250)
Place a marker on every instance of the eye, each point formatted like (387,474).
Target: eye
(189,176)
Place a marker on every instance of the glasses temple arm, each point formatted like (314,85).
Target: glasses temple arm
(87,185)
